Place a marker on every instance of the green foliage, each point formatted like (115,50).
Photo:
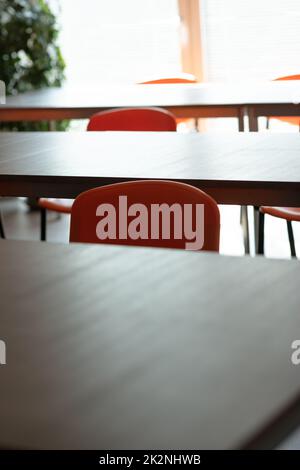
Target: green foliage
(29,54)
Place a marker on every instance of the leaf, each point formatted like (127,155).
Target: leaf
(30,57)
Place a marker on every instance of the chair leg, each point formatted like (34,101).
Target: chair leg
(256,213)
(261,234)
(291,238)
(2,233)
(43,225)
(245,226)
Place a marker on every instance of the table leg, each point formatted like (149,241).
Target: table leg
(241,120)
(244,209)
(52,126)
(253,127)
(253,120)
(245,227)
(256,229)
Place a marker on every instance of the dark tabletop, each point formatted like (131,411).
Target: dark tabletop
(126,348)
(237,168)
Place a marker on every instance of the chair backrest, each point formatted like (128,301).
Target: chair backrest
(288,77)
(133,119)
(294,120)
(180,78)
(147,213)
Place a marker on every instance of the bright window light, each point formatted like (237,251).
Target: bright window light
(257,39)
(119,41)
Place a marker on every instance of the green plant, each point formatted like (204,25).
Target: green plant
(30,57)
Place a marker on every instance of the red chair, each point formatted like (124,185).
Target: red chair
(124,119)
(180,78)
(294,120)
(84,219)
(183,78)
(289,214)
(133,119)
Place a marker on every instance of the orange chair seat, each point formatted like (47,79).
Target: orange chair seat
(64,206)
(287,213)
(294,120)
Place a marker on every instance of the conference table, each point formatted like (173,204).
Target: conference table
(193,101)
(252,99)
(234,168)
(100,353)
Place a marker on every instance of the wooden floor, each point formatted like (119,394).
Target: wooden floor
(22,224)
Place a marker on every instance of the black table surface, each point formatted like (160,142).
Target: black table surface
(234,168)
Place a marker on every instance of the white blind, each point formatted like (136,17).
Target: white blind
(255,39)
(119,41)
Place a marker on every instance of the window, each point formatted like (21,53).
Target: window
(257,39)
(120,41)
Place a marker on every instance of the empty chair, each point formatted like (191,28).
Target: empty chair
(123,119)
(152,230)
(133,119)
(294,120)
(178,78)
(181,78)
(290,214)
